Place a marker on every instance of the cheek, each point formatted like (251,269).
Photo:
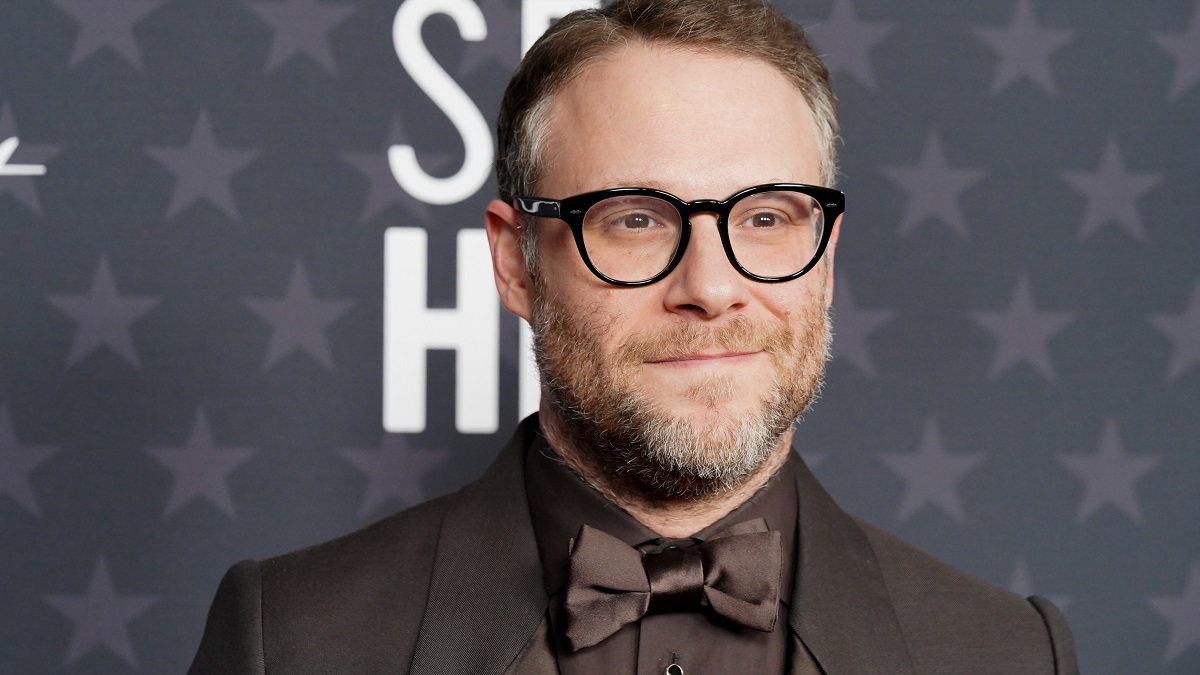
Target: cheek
(792,301)
(563,266)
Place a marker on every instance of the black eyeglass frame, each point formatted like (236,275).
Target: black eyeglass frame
(572,211)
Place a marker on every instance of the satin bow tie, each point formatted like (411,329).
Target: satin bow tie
(609,583)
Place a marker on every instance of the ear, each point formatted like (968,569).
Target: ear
(829,255)
(502,223)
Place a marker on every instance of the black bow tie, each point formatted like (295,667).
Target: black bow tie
(609,583)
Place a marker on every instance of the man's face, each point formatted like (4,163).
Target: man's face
(684,387)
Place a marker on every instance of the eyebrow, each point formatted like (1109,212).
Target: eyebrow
(630,181)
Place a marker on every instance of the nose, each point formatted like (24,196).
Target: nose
(705,285)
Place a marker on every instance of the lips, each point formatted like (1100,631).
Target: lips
(712,356)
(687,343)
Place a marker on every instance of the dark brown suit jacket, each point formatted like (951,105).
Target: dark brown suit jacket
(455,586)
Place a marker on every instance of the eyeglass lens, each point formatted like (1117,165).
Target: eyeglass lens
(634,238)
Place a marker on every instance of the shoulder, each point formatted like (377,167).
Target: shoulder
(912,574)
(390,558)
(949,615)
(402,539)
(352,604)
(357,600)
(357,603)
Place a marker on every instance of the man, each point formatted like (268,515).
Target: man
(661,229)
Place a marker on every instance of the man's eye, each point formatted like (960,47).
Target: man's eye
(635,221)
(763,220)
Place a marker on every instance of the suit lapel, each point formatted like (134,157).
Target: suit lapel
(840,606)
(486,595)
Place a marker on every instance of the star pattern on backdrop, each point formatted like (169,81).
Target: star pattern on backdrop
(107,23)
(202,169)
(1021,583)
(21,188)
(1022,333)
(302,28)
(200,468)
(845,43)
(1184,331)
(853,325)
(1183,613)
(934,188)
(1184,48)
(17,462)
(394,472)
(171,130)
(1024,49)
(503,43)
(103,317)
(931,474)
(298,320)
(1112,193)
(1109,475)
(384,191)
(101,617)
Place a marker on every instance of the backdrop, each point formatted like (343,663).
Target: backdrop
(245,303)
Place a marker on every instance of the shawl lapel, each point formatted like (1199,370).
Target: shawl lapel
(840,607)
(486,595)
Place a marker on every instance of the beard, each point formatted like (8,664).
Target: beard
(644,449)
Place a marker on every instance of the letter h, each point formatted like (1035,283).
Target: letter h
(410,328)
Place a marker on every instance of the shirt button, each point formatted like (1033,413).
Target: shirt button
(674,669)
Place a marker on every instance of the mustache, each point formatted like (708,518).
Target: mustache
(738,334)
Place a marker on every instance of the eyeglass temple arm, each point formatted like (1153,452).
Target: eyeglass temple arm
(541,208)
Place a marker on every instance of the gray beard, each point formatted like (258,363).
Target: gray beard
(641,449)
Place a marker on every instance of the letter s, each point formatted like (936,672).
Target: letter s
(447,96)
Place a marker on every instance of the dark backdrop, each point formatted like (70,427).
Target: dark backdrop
(199,362)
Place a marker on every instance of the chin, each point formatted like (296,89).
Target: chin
(718,396)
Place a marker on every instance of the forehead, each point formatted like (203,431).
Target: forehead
(681,120)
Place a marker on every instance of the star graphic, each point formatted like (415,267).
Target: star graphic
(202,169)
(17,462)
(1184,331)
(1112,192)
(1183,611)
(1022,333)
(107,23)
(1021,584)
(21,187)
(302,27)
(101,617)
(201,468)
(845,43)
(1024,49)
(503,43)
(1184,47)
(931,474)
(384,190)
(1109,475)
(852,326)
(394,472)
(298,320)
(933,188)
(103,317)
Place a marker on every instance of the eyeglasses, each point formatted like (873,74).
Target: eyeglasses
(634,236)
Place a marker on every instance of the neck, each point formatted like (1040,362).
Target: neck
(675,518)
